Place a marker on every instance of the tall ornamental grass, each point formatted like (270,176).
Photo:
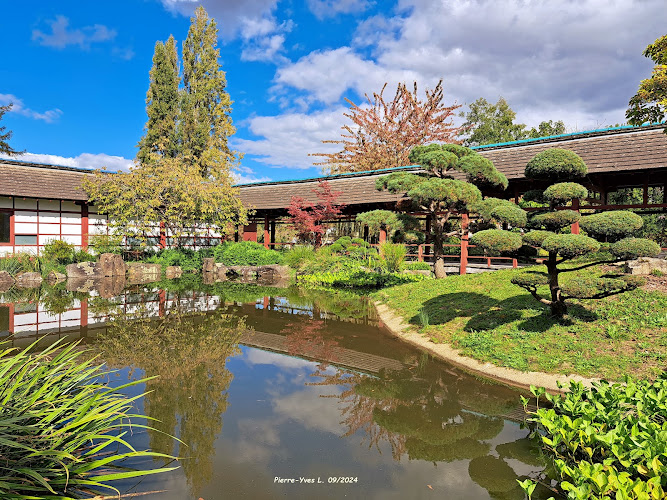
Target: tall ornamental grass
(62,431)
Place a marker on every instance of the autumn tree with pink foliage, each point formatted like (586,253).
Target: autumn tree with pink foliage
(308,218)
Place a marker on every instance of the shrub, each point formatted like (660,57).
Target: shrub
(497,241)
(58,251)
(535,238)
(555,164)
(553,221)
(570,245)
(298,256)
(418,266)
(358,279)
(609,441)
(83,256)
(245,253)
(188,260)
(564,192)
(631,248)
(513,215)
(393,255)
(611,225)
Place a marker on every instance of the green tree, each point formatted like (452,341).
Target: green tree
(206,107)
(553,168)
(167,191)
(650,102)
(162,104)
(5,148)
(494,123)
(378,220)
(437,194)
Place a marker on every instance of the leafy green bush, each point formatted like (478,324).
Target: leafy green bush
(552,221)
(536,237)
(245,253)
(609,441)
(563,192)
(83,256)
(418,266)
(570,245)
(554,164)
(611,225)
(358,279)
(497,241)
(58,251)
(631,248)
(297,256)
(62,428)
(393,255)
(190,261)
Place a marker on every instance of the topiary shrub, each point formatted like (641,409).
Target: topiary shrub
(631,248)
(513,215)
(558,165)
(611,225)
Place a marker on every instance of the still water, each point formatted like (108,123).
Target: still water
(285,393)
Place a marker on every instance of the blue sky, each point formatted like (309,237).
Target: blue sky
(77,71)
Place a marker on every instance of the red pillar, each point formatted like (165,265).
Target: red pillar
(266,232)
(162,303)
(163,235)
(574,229)
(84,226)
(464,244)
(250,232)
(84,312)
(383,235)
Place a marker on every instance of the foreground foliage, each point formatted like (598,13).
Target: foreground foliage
(61,429)
(609,441)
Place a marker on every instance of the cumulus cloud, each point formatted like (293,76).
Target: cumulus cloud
(62,35)
(87,161)
(323,9)
(286,140)
(263,39)
(49,116)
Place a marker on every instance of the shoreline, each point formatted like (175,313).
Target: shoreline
(508,376)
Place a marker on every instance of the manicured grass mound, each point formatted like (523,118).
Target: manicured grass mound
(490,319)
(61,429)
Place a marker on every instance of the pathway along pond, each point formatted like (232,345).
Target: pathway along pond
(287,393)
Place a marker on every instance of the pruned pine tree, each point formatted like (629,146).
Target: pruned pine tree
(206,121)
(382,134)
(437,193)
(5,148)
(162,105)
(556,168)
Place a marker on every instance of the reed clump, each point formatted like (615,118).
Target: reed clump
(62,430)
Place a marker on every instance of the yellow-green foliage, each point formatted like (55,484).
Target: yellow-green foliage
(497,241)
(631,248)
(570,245)
(556,164)
(564,192)
(611,225)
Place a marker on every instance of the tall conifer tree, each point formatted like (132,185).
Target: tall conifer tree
(5,148)
(162,105)
(206,106)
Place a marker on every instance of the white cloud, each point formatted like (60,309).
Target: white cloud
(330,8)
(62,35)
(85,160)
(49,116)
(286,140)
(263,38)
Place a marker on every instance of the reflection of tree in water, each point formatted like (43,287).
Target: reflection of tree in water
(311,340)
(436,415)
(187,352)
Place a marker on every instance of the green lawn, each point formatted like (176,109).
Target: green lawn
(490,319)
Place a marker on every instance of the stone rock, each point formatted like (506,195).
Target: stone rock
(55,277)
(84,270)
(645,265)
(29,280)
(273,272)
(111,264)
(6,281)
(173,272)
(104,287)
(209,265)
(83,285)
(140,273)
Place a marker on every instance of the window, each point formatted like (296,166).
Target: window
(5,230)
(25,239)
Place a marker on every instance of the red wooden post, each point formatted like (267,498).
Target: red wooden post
(575,206)
(250,232)
(266,232)
(84,226)
(163,236)
(515,264)
(420,253)
(162,303)
(383,235)
(464,244)
(84,312)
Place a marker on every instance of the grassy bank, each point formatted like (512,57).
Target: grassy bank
(490,319)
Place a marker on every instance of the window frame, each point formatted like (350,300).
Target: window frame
(9,211)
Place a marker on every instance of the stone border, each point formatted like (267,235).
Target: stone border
(508,376)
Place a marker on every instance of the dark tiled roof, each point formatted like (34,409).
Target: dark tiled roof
(30,180)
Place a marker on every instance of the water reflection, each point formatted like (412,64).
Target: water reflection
(187,352)
(307,384)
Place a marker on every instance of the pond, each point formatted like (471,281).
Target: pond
(286,393)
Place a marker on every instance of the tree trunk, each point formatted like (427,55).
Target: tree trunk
(438,259)
(558,307)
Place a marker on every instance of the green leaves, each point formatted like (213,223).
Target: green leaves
(570,245)
(563,192)
(449,194)
(497,241)
(556,164)
(611,225)
(609,441)
(631,248)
